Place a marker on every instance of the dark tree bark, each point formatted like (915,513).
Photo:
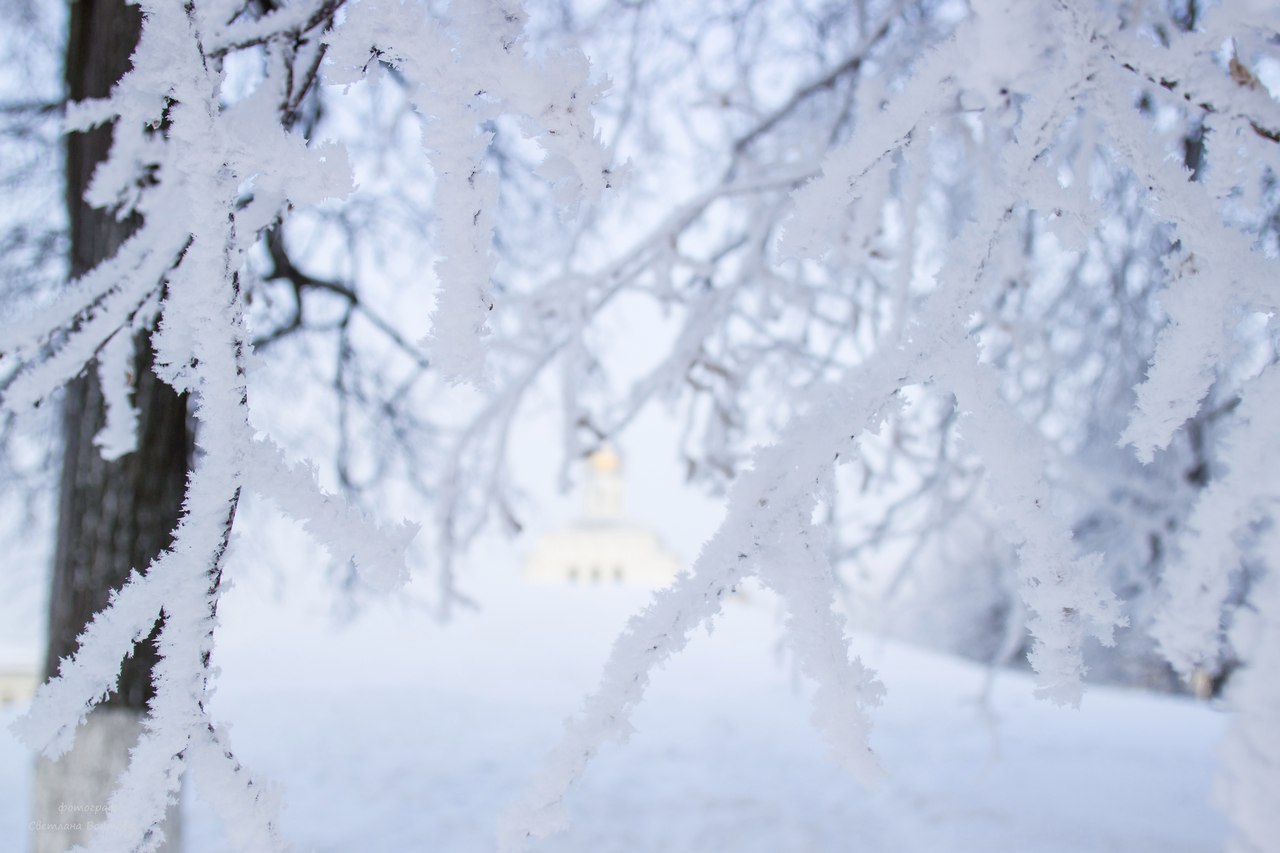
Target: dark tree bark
(112,516)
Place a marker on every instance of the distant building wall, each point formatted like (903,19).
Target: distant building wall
(602,547)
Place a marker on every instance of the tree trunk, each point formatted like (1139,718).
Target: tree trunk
(112,516)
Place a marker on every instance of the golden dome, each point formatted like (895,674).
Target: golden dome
(605,460)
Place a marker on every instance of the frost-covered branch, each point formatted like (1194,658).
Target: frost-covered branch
(1034,116)
(182,156)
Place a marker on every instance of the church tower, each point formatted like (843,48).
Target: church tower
(602,546)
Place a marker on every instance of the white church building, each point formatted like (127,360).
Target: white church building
(602,546)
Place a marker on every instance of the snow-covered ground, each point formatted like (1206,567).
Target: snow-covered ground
(393,733)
